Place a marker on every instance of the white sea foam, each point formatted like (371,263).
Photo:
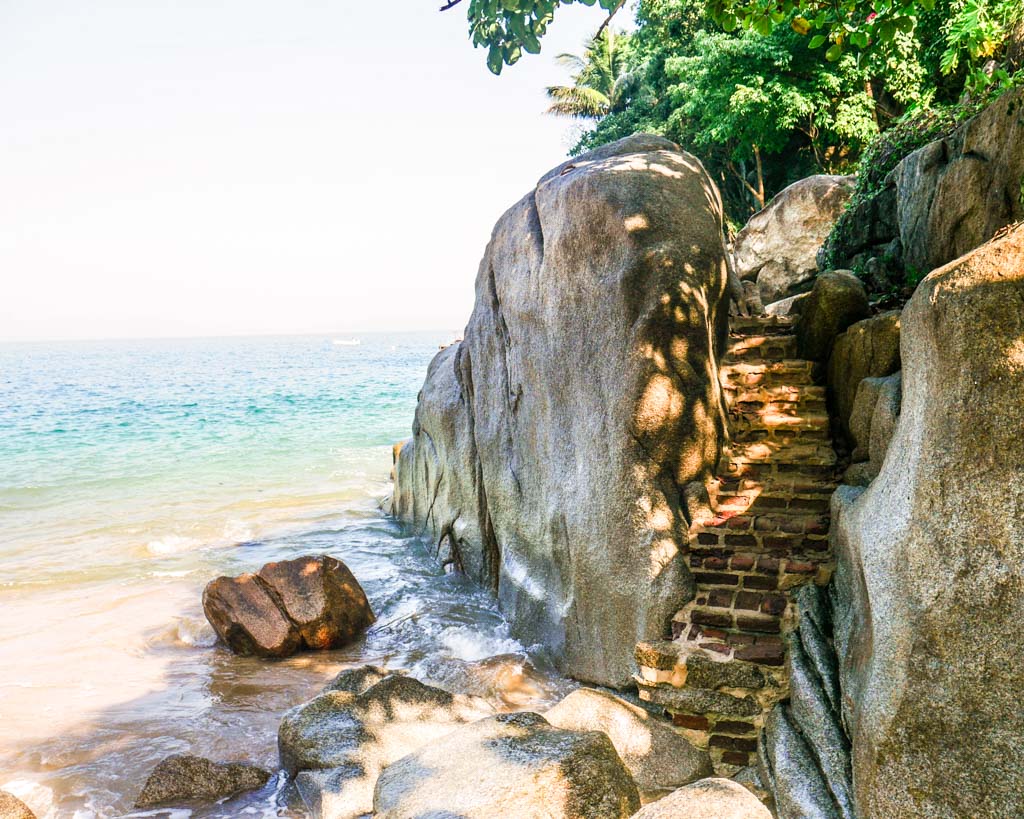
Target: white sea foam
(193,631)
(238,531)
(468,644)
(172,545)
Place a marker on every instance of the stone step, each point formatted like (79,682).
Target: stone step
(794,452)
(743,421)
(761,348)
(779,393)
(748,503)
(792,372)
(761,325)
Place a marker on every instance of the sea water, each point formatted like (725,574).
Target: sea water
(132,473)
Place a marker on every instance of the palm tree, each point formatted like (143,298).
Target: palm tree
(600,82)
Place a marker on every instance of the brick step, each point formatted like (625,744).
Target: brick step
(793,372)
(761,325)
(746,421)
(764,348)
(779,393)
(792,453)
(812,546)
(749,502)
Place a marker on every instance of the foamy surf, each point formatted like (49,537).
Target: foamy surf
(37,797)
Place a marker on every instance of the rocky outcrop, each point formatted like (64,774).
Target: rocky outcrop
(312,602)
(179,780)
(712,798)
(868,349)
(555,448)
(837,301)
(778,246)
(930,577)
(338,743)
(13,808)
(876,409)
(941,201)
(510,765)
(657,756)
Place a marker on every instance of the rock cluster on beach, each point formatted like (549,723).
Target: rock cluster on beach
(183,779)
(309,602)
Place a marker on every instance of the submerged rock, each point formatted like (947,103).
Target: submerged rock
(779,245)
(553,447)
(341,740)
(712,798)
(929,581)
(313,602)
(182,779)
(658,757)
(509,765)
(13,808)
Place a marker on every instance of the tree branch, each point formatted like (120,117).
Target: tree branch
(607,21)
(450,5)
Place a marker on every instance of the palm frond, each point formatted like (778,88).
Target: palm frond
(574,101)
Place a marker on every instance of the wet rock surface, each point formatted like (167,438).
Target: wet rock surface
(510,765)
(181,779)
(13,808)
(310,602)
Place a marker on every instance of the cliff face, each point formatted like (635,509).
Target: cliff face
(555,447)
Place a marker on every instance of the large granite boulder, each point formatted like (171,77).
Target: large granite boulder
(779,245)
(510,765)
(712,798)
(13,808)
(342,739)
(182,779)
(956,192)
(555,447)
(929,583)
(658,757)
(868,349)
(837,300)
(313,602)
(876,409)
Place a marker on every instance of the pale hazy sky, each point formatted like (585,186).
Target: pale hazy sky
(179,167)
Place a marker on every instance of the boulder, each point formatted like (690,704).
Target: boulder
(247,618)
(798,784)
(868,349)
(553,447)
(837,301)
(779,245)
(872,423)
(357,680)
(657,756)
(348,738)
(312,602)
(956,192)
(790,306)
(13,808)
(713,798)
(509,765)
(929,583)
(322,598)
(182,779)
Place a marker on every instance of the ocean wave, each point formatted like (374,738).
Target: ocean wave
(38,797)
(470,644)
(172,545)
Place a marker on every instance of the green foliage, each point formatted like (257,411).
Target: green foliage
(601,81)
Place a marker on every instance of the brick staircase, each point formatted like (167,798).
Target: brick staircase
(725,666)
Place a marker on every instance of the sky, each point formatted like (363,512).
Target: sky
(185,168)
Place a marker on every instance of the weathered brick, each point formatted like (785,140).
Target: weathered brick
(696,561)
(707,538)
(738,523)
(763,654)
(762,583)
(749,601)
(716,563)
(711,618)
(736,758)
(720,598)
(691,721)
(774,604)
(797,567)
(718,648)
(768,565)
(765,624)
(741,639)
(740,540)
(714,634)
(742,562)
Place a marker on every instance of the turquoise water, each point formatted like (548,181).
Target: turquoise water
(131,473)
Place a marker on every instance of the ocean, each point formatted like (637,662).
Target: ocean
(131,474)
